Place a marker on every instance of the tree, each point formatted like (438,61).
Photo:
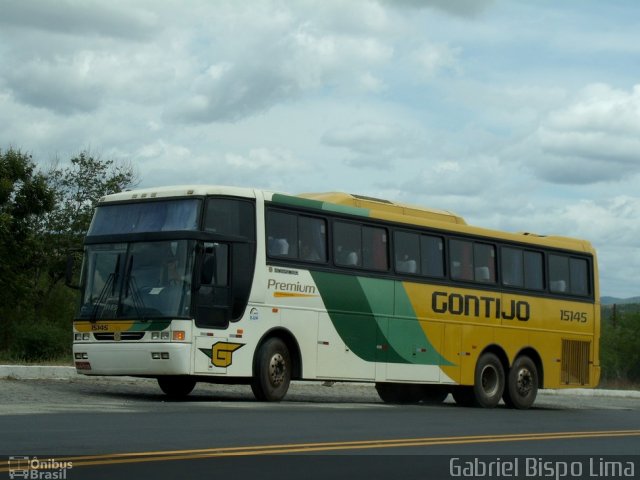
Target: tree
(24,196)
(619,346)
(77,189)
(42,218)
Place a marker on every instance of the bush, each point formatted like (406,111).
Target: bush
(38,342)
(620,355)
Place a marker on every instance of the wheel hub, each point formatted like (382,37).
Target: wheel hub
(277,368)
(490,382)
(524,382)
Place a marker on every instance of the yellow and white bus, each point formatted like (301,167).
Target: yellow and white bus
(233,285)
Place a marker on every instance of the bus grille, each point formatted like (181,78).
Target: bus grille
(123,336)
(575,362)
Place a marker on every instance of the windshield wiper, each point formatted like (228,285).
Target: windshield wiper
(102,298)
(110,285)
(131,286)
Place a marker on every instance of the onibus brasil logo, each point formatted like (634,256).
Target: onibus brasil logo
(34,468)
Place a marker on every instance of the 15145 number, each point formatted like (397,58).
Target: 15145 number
(571,316)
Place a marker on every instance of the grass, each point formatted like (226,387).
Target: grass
(6,358)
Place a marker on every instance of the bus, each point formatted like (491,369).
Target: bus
(219,284)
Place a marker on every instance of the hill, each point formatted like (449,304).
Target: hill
(618,301)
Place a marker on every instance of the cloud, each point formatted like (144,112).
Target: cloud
(278,65)
(70,17)
(461,178)
(610,224)
(461,8)
(594,139)
(63,85)
(432,59)
(265,160)
(374,145)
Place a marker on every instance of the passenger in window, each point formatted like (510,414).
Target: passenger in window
(309,253)
(278,247)
(406,264)
(346,256)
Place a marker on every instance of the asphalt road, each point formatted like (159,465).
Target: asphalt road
(125,428)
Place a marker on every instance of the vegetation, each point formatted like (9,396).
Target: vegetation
(43,217)
(620,345)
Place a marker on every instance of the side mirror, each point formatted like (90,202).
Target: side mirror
(68,277)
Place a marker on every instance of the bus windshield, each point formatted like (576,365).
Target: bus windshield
(142,280)
(151,216)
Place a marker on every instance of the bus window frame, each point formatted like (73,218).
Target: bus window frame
(447,279)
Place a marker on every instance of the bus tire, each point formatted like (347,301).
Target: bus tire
(272,371)
(522,384)
(489,380)
(400,393)
(434,394)
(176,387)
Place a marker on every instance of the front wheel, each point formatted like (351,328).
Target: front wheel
(522,384)
(176,387)
(272,371)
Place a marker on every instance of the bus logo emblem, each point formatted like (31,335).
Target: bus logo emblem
(117,336)
(222,353)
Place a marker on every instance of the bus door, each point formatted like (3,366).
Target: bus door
(213,293)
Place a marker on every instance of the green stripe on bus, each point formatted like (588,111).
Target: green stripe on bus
(362,311)
(408,336)
(318,205)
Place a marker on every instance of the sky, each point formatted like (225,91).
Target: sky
(516,115)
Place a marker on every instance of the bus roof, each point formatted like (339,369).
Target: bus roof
(419,216)
(358,205)
(377,204)
(178,191)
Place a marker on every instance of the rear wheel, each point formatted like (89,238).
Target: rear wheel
(272,371)
(176,387)
(489,381)
(522,384)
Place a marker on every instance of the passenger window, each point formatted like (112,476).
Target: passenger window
(407,252)
(578,269)
(559,273)
(227,216)
(512,267)
(522,268)
(313,239)
(360,246)
(347,244)
(473,261)
(461,260)
(432,252)
(374,248)
(282,235)
(484,262)
(533,271)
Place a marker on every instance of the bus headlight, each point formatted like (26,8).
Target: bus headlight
(155,335)
(164,335)
(86,336)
